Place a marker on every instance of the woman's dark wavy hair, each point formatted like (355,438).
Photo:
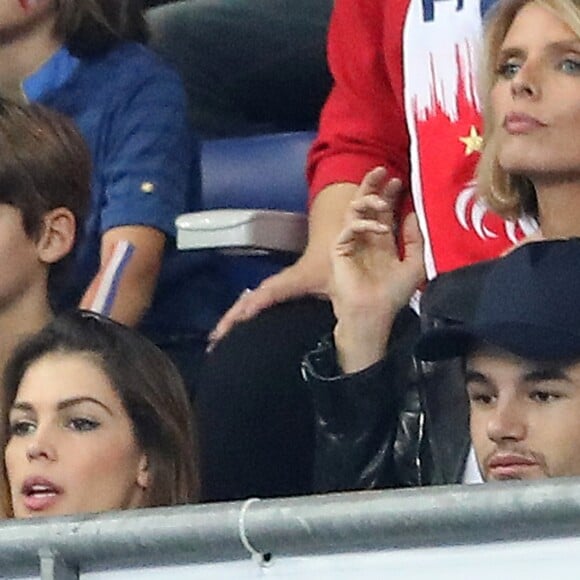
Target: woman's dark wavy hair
(146,381)
(89,27)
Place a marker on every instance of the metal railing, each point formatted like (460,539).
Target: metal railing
(316,525)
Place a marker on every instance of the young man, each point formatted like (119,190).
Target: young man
(522,364)
(44,195)
(521,369)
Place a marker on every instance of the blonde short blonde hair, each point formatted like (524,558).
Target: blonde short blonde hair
(511,196)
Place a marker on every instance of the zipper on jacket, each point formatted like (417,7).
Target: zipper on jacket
(420,436)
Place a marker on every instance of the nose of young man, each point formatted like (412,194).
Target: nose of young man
(506,422)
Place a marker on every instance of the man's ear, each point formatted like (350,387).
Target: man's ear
(143,472)
(58,235)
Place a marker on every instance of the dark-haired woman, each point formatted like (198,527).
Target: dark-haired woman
(94,418)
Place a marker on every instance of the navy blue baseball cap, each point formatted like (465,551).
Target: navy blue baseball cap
(529,305)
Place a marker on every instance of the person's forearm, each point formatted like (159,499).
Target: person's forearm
(309,275)
(137,279)
(326,220)
(131,301)
(361,340)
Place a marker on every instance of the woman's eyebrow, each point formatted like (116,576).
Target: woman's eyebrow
(72,401)
(563,45)
(510,52)
(507,52)
(64,404)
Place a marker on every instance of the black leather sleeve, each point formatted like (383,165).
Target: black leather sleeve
(357,415)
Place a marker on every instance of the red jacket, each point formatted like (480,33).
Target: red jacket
(404,96)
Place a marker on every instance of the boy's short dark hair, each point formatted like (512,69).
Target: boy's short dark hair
(44,164)
(88,27)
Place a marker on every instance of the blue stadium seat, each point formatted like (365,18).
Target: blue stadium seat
(256,126)
(261,171)
(258,187)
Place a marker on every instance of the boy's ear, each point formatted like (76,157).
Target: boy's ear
(58,235)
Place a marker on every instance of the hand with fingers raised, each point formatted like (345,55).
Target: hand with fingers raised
(370,281)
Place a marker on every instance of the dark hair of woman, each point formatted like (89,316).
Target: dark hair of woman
(148,384)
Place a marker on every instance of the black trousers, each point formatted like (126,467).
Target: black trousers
(254,411)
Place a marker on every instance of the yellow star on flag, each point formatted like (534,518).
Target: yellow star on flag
(473,142)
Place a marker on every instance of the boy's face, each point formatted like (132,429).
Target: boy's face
(22,269)
(525,415)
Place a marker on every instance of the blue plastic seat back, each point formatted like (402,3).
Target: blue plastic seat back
(263,172)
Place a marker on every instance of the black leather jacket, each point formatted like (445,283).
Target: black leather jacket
(398,422)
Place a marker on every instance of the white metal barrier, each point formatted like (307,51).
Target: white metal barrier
(508,530)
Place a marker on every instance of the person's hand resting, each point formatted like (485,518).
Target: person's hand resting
(370,282)
(310,275)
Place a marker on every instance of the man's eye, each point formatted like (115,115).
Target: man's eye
(481,398)
(83,424)
(508,70)
(20,428)
(544,396)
